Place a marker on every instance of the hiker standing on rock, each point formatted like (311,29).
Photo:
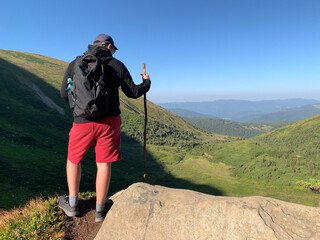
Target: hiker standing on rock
(91,86)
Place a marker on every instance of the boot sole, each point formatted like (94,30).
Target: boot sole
(69,214)
(98,220)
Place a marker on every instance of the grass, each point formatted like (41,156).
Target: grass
(26,172)
(49,69)
(212,177)
(281,157)
(37,220)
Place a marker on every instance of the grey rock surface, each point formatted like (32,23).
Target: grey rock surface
(149,212)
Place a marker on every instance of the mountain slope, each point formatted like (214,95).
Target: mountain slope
(283,156)
(34,136)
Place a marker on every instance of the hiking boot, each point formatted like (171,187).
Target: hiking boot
(63,203)
(101,215)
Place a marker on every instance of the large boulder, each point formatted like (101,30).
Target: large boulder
(150,212)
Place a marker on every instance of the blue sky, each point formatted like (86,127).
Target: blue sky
(194,50)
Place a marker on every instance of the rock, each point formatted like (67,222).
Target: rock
(149,212)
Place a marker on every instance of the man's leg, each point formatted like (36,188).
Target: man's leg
(70,204)
(102,181)
(81,138)
(73,178)
(107,149)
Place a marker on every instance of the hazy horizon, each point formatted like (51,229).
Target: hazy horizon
(171,99)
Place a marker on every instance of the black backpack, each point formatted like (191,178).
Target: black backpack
(89,93)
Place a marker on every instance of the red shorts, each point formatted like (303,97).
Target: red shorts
(105,133)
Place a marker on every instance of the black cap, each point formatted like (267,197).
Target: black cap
(104,39)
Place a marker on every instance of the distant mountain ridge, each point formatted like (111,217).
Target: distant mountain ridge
(251,111)
(292,114)
(186,113)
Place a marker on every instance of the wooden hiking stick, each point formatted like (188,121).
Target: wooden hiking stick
(145,130)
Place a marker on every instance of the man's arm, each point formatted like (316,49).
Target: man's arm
(129,88)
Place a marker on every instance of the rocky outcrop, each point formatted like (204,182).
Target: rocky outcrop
(150,212)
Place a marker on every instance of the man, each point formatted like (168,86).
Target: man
(104,131)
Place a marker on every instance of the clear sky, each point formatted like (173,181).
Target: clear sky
(194,50)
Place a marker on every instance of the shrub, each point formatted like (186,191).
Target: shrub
(38,220)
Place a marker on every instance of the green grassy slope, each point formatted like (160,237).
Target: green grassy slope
(50,70)
(283,156)
(33,136)
(163,128)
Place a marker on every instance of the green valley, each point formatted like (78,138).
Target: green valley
(236,129)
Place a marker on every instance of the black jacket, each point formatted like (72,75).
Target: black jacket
(116,74)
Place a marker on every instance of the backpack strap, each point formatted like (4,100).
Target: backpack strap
(102,63)
(100,83)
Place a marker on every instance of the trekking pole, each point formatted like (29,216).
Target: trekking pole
(145,130)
